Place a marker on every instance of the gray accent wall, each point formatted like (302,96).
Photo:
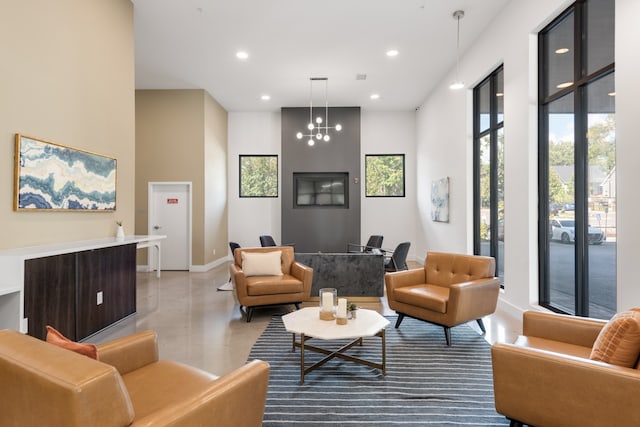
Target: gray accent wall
(321,229)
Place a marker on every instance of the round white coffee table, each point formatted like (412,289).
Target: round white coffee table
(306,322)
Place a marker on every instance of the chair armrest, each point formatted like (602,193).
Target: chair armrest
(540,387)
(560,327)
(399,279)
(473,299)
(239,282)
(304,273)
(235,399)
(129,353)
(354,245)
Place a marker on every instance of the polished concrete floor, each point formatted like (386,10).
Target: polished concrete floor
(203,327)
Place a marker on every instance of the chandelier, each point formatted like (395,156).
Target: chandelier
(320,130)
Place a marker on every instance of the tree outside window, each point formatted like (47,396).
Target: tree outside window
(258,176)
(384,175)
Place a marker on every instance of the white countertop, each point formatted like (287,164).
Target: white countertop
(76,246)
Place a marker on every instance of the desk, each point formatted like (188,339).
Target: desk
(13,264)
(354,275)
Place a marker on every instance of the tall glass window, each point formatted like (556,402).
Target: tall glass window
(488,165)
(577,169)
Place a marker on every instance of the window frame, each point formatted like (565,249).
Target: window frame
(366,174)
(241,157)
(494,128)
(581,81)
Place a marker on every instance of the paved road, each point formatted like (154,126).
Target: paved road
(602,276)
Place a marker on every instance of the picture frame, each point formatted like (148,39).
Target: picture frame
(52,177)
(384,175)
(258,176)
(440,200)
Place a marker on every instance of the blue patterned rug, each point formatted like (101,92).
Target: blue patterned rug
(427,383)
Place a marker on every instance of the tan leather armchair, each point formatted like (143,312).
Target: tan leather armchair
(45,385)
(546,377)
(449,290)
(291,287)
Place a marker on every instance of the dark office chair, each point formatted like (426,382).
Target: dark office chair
(398,260)
(233,246)
(374,242)
(266,240)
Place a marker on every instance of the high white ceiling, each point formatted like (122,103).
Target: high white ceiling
(192,44)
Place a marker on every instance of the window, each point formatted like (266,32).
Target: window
(488,168)
(384,175)
(258,176)
(577,167)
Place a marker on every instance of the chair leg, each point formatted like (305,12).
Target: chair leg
(297,304)
(447,335)
(484,331)
(249,314)
(514,423)
(400,318)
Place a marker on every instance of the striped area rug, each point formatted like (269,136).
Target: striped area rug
(427,383)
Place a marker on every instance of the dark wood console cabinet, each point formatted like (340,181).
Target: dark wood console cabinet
(62,290)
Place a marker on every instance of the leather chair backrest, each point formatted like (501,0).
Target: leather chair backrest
(447,268)
(287,258)
(47,385)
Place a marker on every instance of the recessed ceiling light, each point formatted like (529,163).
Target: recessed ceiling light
(562,50)
(563,85)
(391,53)
(265,97)
(241,54)
(375,96)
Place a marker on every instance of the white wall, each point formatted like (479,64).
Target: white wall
(393,217)
(252,133)
(628,150)
(444,146)
(381,133)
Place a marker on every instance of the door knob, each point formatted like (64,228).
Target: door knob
(156,227)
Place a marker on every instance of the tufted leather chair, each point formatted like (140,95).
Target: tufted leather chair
(449,290)
(546,377)
(292,287)
(45,385)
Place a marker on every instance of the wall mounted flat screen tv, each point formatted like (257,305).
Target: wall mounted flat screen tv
(320,190)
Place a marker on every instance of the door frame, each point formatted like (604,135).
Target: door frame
(152,186)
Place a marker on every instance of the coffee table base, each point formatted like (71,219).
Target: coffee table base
(302,345)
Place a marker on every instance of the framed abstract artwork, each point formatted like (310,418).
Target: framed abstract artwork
(52,177)
(440,200)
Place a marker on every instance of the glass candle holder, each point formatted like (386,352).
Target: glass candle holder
(328,301)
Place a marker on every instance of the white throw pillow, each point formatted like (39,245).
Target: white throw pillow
(261,263)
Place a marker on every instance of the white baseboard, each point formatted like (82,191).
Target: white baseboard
(509,308)
(140,268)
(210,266)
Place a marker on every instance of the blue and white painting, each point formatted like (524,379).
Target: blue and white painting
(440,200)
(54,177)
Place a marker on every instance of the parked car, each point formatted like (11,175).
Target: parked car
(564,230)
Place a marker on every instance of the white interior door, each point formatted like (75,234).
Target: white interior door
(170,215)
